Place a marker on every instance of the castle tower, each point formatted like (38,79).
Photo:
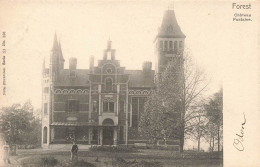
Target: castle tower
(169,42)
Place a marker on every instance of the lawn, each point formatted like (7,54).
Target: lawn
(137,158)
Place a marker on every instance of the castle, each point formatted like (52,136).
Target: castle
(102,105)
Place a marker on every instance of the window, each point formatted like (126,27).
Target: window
(180,44)
(46,90)
(170,45)
(108,106)
(45,108)
(95,106)
(165,45)
(135,111)
(109,84)
(137,108)
(72,105)
(161,45)
(109,70)
(45,135)
(175,45)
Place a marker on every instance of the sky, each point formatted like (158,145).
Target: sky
(227,50)
(84,28)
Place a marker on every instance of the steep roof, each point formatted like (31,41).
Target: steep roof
(170,27)
(80,79)
(138,78)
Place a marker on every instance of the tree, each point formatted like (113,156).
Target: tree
(200,127)
(214,113)
(178,91)
(18,124)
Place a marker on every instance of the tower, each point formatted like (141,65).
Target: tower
(56,60)
(169,42)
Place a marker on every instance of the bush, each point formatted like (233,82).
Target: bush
(80,163)
(113,149)
(48,162)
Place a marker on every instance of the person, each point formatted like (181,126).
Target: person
(6,150)
(74,152)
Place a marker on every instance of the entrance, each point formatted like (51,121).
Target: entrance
(108,133)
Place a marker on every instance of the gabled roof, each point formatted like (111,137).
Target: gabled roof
(170,27)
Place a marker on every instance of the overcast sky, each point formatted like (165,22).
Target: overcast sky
(83,29)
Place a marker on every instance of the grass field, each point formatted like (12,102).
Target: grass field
(141,157)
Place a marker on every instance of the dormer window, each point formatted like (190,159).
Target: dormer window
(109,84)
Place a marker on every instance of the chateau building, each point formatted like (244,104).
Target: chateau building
(102,105)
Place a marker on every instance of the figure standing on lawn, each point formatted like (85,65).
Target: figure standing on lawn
(6,150)
(74,152)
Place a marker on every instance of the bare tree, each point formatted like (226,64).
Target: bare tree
(179,91)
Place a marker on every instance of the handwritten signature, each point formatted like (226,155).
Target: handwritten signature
(238,142)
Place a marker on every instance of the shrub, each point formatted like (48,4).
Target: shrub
(80,163)
(48,162)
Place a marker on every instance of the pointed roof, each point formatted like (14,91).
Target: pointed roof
(55,43)
(61,51)
(170,27)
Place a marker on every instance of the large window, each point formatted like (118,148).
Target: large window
(72,105)
(108,106)
(137,108)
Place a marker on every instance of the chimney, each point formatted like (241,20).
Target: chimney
(147,66)
(73,63)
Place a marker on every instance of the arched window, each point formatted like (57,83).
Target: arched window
(45,135)
(109,84)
